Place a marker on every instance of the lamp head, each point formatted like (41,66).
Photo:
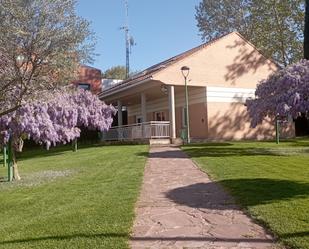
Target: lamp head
(185,71)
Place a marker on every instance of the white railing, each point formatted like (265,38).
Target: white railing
(152,129)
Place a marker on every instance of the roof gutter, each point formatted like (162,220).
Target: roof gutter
(120,89)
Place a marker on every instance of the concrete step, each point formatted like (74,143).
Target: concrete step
(159,141)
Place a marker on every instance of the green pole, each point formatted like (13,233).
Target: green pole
(10,161)
(277,131)
(74,145)
(187,112)
(5,156)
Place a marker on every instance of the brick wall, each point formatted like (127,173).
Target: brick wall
(91,76)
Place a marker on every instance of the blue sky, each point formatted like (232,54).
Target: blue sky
(161,29)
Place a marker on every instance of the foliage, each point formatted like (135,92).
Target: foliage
(116,72)
(55,117)
(284,93)
(89,205)
(306,31)
(41,44)
(275,27)
(270,181)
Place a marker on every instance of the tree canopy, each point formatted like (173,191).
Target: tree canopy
(285,93)
(41,44)
(274,26)
(54,118)
(306,32)
(116,72)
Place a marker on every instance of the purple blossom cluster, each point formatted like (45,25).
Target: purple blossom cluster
(56,116)
(285,93)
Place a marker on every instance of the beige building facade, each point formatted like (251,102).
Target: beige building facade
(222,75)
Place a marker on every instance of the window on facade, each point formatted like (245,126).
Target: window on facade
(139,119)
(84,86)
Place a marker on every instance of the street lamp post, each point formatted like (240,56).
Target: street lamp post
(185,72)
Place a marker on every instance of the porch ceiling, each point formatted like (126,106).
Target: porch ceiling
(151,93)
(132,96)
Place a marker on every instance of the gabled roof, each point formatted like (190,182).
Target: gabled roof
(148,73)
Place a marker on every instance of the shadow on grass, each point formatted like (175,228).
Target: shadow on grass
(54,151)
(126,236)
(3,179)
(250,192)
(203,151)
(210,144)
(297,234)
(214,150)
(245,151)
(66,237)
(300,142)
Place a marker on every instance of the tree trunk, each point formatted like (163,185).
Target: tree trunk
(306,32)
(16,175)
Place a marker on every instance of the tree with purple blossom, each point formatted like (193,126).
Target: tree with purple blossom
(285,93)
(54,119)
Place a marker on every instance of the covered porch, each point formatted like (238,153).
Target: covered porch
(151,110)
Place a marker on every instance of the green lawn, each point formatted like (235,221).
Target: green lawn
(270,181)
(72,200)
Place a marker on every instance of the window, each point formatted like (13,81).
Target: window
(139,119)
(84,86)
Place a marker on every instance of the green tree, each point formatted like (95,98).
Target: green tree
(116,72)
(274,26)
(42,42)
(306,32)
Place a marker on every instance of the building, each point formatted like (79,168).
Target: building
(223,74)
(89,78)
(107,83)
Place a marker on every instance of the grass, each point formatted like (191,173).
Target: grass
(72,200)
(270,181)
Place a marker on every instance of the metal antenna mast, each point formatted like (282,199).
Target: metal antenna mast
(129,39)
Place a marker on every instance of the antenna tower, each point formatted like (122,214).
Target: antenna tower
(128,38)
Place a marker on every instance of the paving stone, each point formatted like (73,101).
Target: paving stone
(180,207)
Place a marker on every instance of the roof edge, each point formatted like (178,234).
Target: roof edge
(257,49)
(117,88)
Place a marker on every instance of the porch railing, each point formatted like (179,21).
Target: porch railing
(147,130)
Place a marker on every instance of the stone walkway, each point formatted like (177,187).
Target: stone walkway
(180,207)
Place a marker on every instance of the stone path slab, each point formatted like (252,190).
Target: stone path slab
(179,207)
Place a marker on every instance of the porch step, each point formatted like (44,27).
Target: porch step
(160,141)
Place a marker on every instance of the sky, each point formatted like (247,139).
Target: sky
(161,29)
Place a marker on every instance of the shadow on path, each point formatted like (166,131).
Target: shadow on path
(228,151)
(251,192)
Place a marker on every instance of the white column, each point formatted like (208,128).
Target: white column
(143,107)
(119,107)
(171,101)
